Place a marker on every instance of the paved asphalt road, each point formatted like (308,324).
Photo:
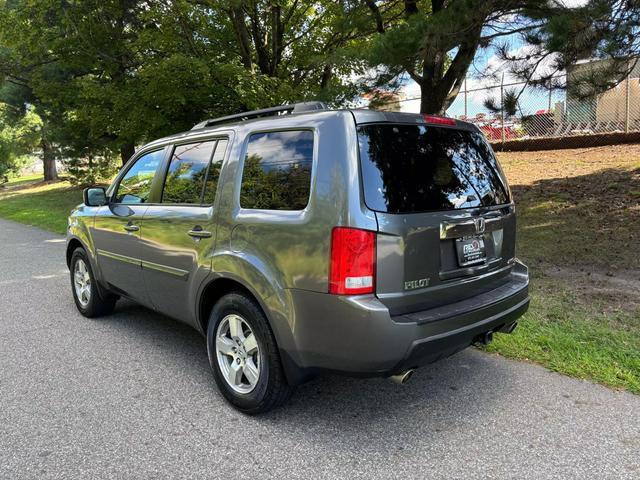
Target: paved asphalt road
(131,396)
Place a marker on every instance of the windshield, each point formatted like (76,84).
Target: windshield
(420,168)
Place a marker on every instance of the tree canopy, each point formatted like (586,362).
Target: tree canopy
(436,41)
(103,76)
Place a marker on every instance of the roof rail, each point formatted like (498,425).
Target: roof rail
(265,112)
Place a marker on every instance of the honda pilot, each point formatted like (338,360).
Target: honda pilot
(302,240)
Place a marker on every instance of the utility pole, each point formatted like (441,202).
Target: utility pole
(626,100)
(502,106)
(465,98)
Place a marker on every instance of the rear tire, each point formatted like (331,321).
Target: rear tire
(244,356)
(90,300)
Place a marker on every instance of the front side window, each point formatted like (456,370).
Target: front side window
(277,170)
(135,186)
(187,172)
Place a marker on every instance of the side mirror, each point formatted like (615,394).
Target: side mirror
(94,196)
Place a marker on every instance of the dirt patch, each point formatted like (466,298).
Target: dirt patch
(578,207)
(571,141)
(525,168)
(615,289)
(609,198)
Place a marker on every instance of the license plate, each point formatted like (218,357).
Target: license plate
(470,251)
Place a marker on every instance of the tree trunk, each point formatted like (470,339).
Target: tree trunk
(439,88)
(411,7)
(430,102)
(277,32)
(126,152)
(240,28)
(259,41)
(327,74)
(433,89)
(48,161)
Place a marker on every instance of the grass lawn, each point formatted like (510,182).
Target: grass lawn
(24,179)
(593,340)
(44,205)
(578,230)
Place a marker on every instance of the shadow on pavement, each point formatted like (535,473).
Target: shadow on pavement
(464,389)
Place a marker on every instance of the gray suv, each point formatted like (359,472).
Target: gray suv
(303,240)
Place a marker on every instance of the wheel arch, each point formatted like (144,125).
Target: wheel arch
(271,307)
(72,244)
(215,289)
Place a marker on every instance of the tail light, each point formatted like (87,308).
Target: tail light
(352,267)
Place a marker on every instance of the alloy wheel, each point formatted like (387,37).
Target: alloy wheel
(238,353)
(82,283)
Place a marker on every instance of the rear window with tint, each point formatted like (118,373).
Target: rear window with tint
(419,168)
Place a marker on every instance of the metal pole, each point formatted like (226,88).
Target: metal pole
(626,100)
(465,98)
(502,106)
(550,91)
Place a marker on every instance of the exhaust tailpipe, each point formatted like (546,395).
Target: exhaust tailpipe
(403,377)
(487,338)
(484,338)
(509,328)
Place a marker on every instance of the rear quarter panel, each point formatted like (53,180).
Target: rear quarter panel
(273,252)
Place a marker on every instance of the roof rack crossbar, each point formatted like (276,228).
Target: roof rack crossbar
(265,112)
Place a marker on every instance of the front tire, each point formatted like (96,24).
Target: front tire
(90,301)
(244,356)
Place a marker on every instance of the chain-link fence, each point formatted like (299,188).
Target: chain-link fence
(519,115)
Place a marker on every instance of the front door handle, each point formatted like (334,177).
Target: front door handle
(198,232)
(131,228)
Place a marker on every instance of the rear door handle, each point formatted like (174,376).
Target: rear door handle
(198,232)
(131,228)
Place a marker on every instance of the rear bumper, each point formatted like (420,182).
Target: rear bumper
(431,349)
(357,335)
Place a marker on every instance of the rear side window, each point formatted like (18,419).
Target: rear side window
(419,168)
(277,170)
(214,172)
(187,172)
